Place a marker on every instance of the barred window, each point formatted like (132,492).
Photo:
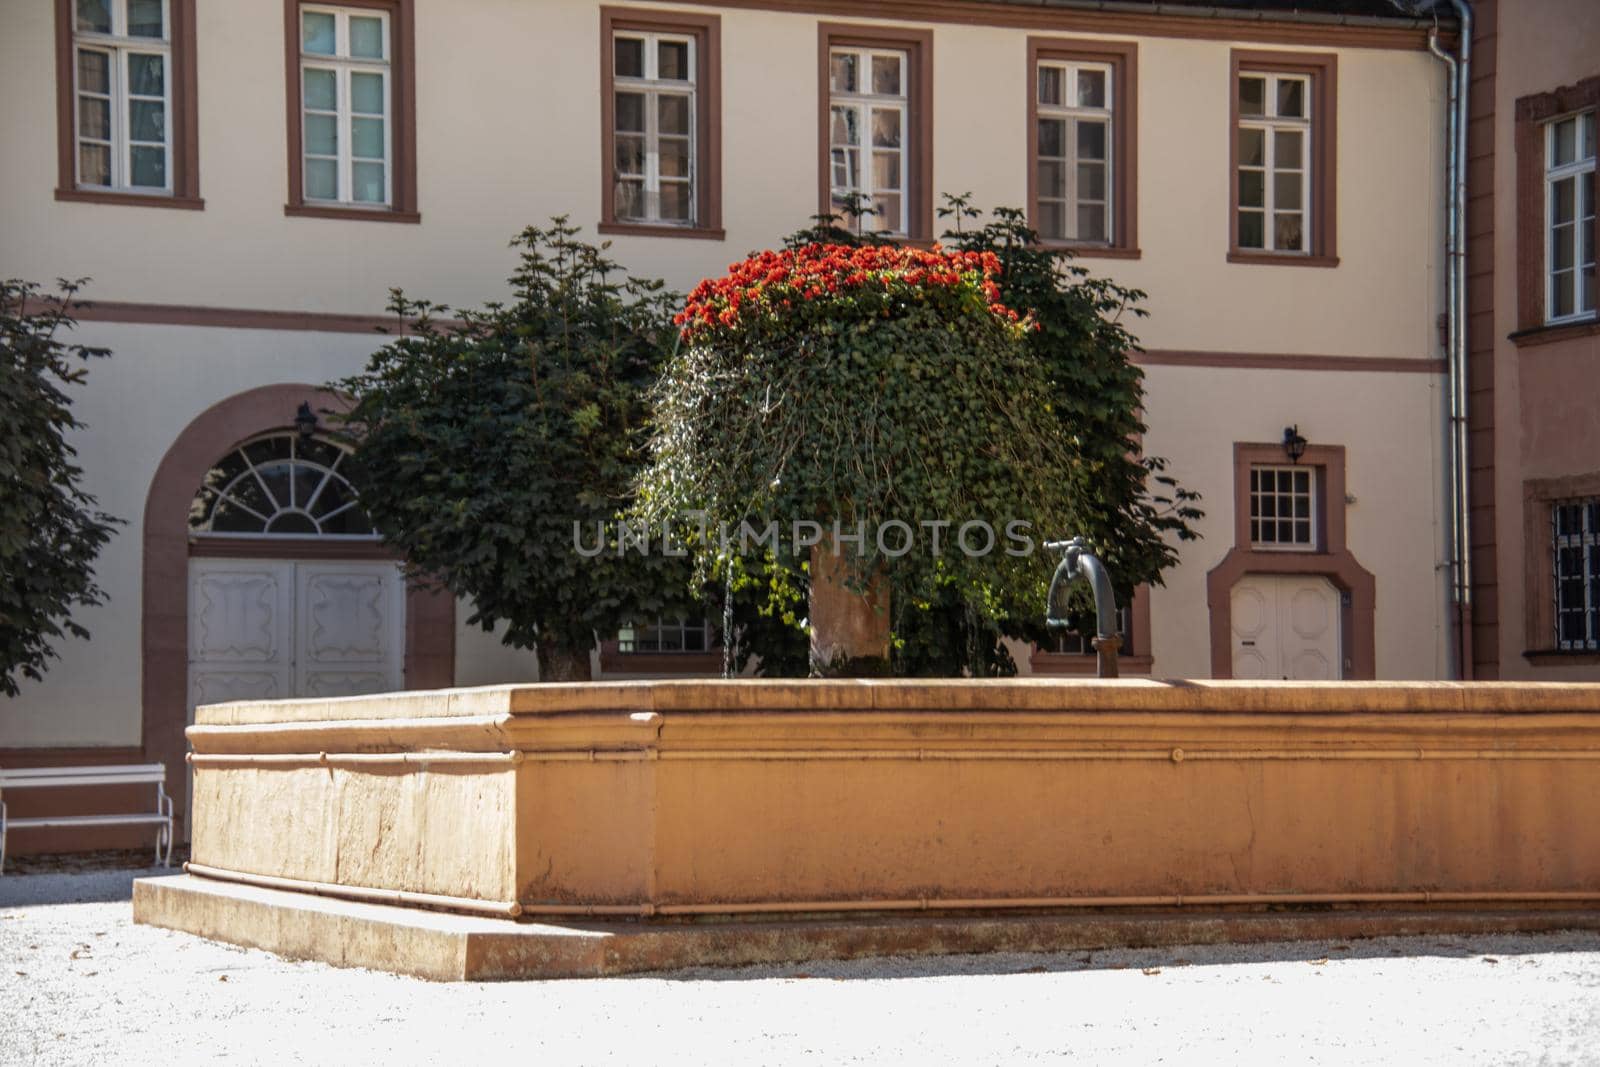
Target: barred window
(1575,533)
(665,635)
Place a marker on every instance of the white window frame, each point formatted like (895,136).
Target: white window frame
(1313,509)
(118,47)
(1583,541)
(1271,123)
(652,87)
(342,64)
(1584,156)
(1072,114)
(863,103)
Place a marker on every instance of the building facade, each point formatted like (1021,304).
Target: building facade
(245,182)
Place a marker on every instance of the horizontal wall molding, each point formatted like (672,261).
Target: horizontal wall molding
(1167,357)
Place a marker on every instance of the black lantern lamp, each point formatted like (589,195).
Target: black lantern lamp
(305,421)
(1294,446)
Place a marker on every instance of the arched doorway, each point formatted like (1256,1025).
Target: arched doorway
(250,525)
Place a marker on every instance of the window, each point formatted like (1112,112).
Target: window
(660,93)
(1569,213)
(666,635)
(280,485)
(1283,158)
(876,134)
(1283,508)
(351,117)
(1081,156)
(126,98)
(1575,530)
(1079,641)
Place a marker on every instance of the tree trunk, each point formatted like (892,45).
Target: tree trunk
(849,629)
(560,664)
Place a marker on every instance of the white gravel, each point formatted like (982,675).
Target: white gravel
(82,985)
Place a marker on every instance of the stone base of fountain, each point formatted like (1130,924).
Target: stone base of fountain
(606,827)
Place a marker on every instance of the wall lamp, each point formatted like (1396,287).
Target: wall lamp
(1294,446)
(305,421)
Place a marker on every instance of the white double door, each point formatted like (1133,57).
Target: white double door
(1286,626)
(268,629)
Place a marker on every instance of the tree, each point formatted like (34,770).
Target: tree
(50,529)
(489,448)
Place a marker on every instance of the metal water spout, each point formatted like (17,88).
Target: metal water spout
(1077,561)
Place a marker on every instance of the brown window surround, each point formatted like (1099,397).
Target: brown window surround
(1531,114)
(185,117)
(918,47)
(1332,560)
(1539,624)
(402,111)
(613,661)
(1123,57)
(1135,657)
(707,33)
(1323,70)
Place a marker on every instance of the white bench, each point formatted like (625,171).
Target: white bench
(57,777)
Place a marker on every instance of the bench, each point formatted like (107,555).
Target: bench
(57,777)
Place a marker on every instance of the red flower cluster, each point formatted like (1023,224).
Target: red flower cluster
(770,281)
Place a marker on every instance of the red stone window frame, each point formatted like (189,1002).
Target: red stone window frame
(1332,559)
(185,117)
(918,46)
(706,30)
(402,106)
(1123,58)
(1322,68)
(1539,495)
(1531,113)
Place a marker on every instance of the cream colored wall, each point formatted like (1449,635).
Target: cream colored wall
(1539,47)
(508,133)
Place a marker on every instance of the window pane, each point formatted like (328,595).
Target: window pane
(886,75)
(844,126)
(1052,178)
(1564,147)
(1052,137)
(94,118)
(1588,282)
(1286,191)
(147,121)
(1091,181)
(1561,302)
(1050,85)
(888,217)
(1286,149)
(1291,98)
(1302,484)
(149,167)
(366,37)
(886,127)
(627,199)
(1562,207)
(366,138)
(368,181)
(886,170)
(630,154)
(672,60)
(316,33)
(366,93)
(842,74)
(628,58)
(1252,96)
(674,157)
(144,19)
(1287,231)
(94,16)
(1091,140)
(320,90)
(322,135)
(674,114)
(94,72)
(1251,188)
(94,164)
(846,168)
(1252,232)
(1561,247)
(630,112)
(1590,149)
(675,201)
(1092,88)
(1052,219)
(147,75)
(1091,222)
(1252,148)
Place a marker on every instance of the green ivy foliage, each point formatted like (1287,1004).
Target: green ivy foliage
(50,529)
(480,442)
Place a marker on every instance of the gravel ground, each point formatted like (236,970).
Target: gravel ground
(80,984)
